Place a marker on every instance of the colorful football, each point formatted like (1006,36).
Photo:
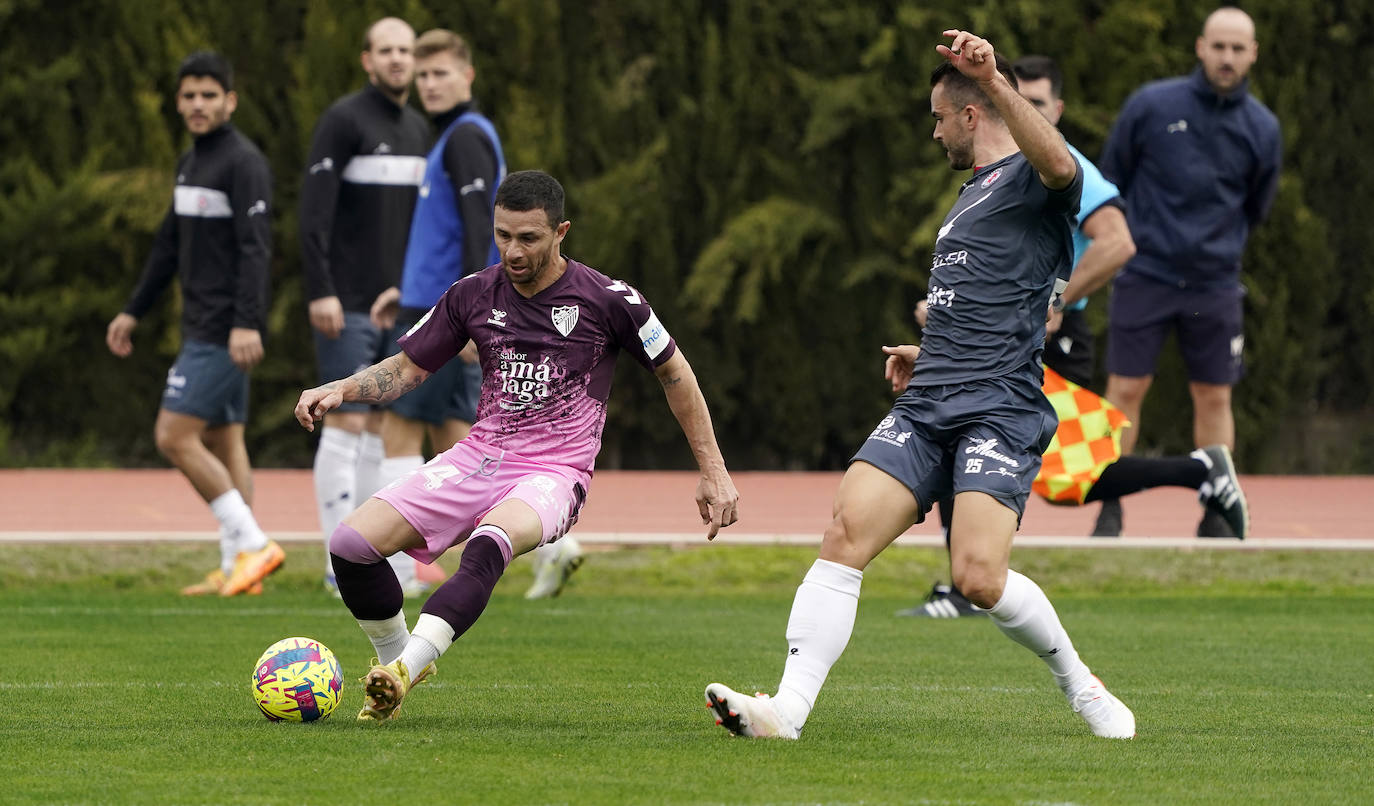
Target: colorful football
(297,680)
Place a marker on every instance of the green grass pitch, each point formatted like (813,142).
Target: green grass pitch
(1251,676)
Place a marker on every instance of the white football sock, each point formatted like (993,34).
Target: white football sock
(392,468)
(436,631)
(369,472)
(388,637)
(1026,616)
(817,632)
(432,637)
(238,531)
(336,461)
(227,552)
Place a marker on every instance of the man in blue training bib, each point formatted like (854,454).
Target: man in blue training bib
(450,238)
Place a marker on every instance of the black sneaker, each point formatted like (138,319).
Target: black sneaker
(944,602)
(1228,514)
(1213,525)
(1108,519)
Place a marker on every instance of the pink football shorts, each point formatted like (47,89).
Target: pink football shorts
(445,499)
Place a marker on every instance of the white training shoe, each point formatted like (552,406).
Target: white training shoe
(755,717)
(1104,713)
(553,565)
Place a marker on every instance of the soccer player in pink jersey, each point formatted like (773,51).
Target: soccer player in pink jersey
(548,330)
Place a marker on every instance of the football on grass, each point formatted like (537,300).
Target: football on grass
(297,680)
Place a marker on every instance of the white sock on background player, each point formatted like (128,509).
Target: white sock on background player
(369,467)
(394,467)
(336,461)
(238,530)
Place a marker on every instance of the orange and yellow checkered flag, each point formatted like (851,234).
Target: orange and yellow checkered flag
(1087,440)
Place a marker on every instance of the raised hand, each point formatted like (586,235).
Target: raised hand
(970,54)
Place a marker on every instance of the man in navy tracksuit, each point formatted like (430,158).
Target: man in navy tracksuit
(216,239)
(1197,161)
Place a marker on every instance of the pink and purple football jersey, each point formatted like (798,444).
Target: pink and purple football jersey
(548,361)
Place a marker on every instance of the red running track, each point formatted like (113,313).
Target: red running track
(67,503)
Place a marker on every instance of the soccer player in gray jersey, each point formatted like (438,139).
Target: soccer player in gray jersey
(548,330)
(972,420)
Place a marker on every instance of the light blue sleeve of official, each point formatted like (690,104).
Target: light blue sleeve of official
(1097,191)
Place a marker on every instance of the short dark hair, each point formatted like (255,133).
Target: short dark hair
(207,63)
(439,40)
(964,91)
(532,190)
(1034,68)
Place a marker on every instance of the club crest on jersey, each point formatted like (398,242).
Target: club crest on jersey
(992,177)
(565,318)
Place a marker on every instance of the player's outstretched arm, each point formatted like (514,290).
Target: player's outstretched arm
(717,498)
(382,382)
(1037,138)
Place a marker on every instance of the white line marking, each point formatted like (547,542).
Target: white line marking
(728,538)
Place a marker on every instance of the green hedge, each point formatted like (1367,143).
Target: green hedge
(762,171)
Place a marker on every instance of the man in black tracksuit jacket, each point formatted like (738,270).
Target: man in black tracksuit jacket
(216,239)
(367,159)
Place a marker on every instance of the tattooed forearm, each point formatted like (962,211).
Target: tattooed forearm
(385,381)
(671,381)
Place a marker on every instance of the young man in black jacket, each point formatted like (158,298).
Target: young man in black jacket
(216,239)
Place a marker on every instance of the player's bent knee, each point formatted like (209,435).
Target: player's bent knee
(843,543)
(521,524)
(349,543)
(172,443)
(980,583)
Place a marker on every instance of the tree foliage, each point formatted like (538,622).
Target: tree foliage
(762,171)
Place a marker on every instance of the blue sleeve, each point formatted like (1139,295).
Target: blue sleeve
(1097,191)
(1264,183)
(1121,150)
